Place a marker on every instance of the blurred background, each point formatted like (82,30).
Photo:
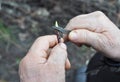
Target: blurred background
(22,21)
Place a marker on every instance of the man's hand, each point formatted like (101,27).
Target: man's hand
(96,30)
(45,61)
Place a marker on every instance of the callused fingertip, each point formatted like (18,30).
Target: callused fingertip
(73,35)
(63,45)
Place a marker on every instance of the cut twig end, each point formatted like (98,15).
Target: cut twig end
(56,24)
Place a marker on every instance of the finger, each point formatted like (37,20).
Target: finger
(67,64)
(95,22)
(85,21)
(85,37)
(42,44)
(58,55)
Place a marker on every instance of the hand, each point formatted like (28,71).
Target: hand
(42,64)
(96,30)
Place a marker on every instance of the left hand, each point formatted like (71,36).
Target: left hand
(42,64)
(98,31)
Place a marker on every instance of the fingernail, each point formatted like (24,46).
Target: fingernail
(63,45)
(73,35)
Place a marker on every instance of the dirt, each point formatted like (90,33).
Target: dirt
(29,19)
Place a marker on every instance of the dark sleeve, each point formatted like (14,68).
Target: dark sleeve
(102,69)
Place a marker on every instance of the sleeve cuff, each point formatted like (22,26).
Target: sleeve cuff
(111,62)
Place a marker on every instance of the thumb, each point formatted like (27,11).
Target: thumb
(82,36)
(58,55)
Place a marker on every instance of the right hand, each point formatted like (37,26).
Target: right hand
(96,30)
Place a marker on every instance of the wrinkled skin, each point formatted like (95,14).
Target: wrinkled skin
(46,60)
(43,64)
(96,30)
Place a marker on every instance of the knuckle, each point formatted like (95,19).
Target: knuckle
(44,37)
(75,18)
(99,14)
(71,20)
(24,61)
(40,38)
